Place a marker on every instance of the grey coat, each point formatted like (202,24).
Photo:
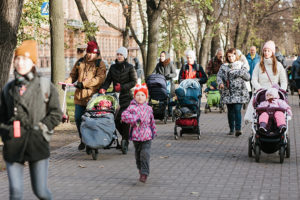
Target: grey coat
(233,76)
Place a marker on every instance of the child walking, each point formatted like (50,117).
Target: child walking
(272,100)
(142,129)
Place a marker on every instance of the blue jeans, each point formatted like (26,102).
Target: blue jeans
(234,116)
(38,175)
(79,111)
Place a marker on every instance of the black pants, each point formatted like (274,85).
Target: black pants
(122,127)
(142,156)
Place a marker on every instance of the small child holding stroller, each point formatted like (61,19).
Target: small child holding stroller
(213,95)
(142,128)
(273,100)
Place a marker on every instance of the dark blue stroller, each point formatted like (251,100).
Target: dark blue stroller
(158,96)
(187,110)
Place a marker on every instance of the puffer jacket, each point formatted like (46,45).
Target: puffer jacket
(124,74)
(233,77)
(141,120)
(32,111)
(296,69)
(197,73)
(91,74)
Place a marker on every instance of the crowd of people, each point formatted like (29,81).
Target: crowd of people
(28,117)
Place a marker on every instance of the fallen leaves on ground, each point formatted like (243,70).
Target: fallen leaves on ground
(168,145)
(81,166)
(164,156)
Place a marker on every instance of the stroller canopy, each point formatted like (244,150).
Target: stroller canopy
(98,97)
(188,91)
(157,86)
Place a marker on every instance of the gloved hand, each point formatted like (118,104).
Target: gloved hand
(63,87)
(117,87)
(79,85)
(102,91)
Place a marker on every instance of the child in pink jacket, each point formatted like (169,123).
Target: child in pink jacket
(273,100)
(142,128)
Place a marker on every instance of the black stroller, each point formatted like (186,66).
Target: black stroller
(98,124)
(187,110)
(158,96)
(272,140)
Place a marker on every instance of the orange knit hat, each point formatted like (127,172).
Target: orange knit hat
(141,88)
(28,49)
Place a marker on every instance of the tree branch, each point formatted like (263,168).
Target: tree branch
(107,22)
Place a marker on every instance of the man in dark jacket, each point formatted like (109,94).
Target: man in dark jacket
(215,63)
(28,115)
(280,58)
(124,78)
(296,74)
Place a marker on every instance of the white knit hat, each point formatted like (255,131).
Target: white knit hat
(273,92)
(190,53)
(123,51)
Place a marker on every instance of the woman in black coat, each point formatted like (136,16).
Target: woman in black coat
(124,78)
(166,68)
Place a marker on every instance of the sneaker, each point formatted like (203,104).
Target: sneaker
(238,133)
(143,178)
(262,129)
(230,133)
(81,146)
(282,129)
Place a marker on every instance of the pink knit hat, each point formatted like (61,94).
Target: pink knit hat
(270,45)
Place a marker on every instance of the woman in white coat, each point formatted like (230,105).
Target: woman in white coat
(268,73)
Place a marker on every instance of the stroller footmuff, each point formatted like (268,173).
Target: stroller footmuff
(187,110)
(158,96)
(98,123)
(271,139)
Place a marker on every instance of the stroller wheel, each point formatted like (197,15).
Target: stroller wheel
(94,154)
(257,153)
(166,116)
(124,146)
(181,132)
(288,148)
(250,146)
(281,153)
(176,137)
(198,137)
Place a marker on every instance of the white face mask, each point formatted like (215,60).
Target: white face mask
(23,64)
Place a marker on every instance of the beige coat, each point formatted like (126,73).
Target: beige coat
(91,74)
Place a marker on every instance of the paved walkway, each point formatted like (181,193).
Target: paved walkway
(215,167)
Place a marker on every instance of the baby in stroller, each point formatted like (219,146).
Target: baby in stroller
(213,97)
(272,100)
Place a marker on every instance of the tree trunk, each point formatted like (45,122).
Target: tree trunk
(10,14)
(83,16)
(154,15)
(205,44)
(246,37)
(57,44)
(125,35)
(215,44)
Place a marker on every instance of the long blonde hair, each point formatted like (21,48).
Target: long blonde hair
(262,64)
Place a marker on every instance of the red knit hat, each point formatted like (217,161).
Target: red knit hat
(141,88)
(92,47)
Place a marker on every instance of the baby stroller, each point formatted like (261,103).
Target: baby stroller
(158,96)
(98,123)
(213,99)
(272,140)
(291,83)
(187,110)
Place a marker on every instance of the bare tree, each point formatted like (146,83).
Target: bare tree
(10,14)
(127,10)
